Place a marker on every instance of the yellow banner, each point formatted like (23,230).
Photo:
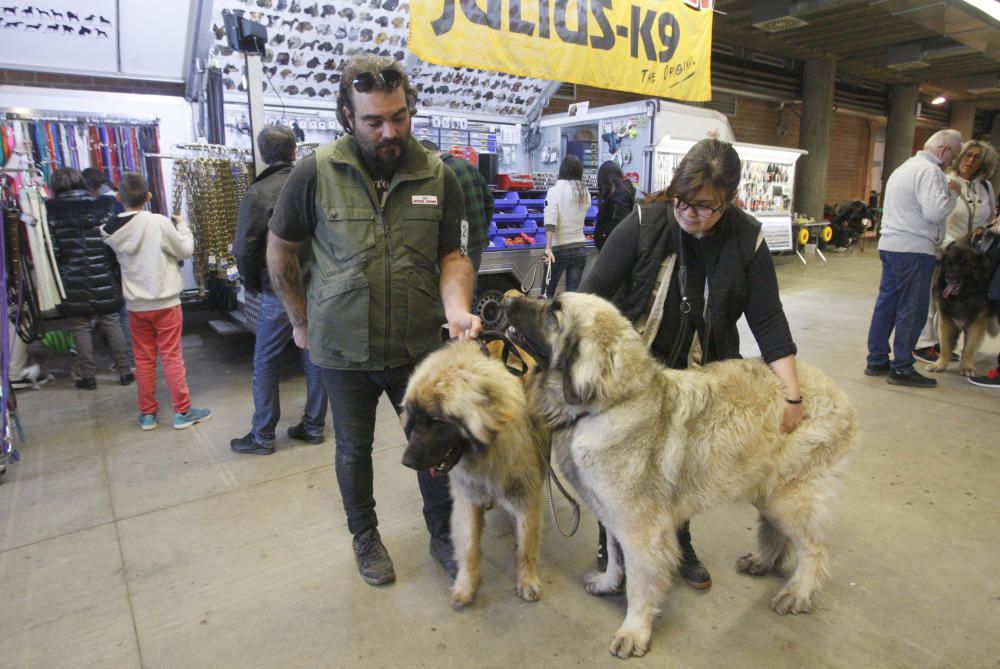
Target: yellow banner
(660,48)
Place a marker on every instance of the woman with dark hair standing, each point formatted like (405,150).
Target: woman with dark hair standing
(566,206)
(615,199)
(689,262)
(88,272)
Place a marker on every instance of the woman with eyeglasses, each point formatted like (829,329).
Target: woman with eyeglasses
(687,262)
(976,208)
(977,201)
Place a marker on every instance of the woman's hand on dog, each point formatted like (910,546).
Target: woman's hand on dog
(794,413)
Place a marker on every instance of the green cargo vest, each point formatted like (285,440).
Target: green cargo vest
(374,298)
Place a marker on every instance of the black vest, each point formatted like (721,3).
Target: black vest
(734,243)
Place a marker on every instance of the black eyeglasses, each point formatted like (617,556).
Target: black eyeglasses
(700,211)
(387,79)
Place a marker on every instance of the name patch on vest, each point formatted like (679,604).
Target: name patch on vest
(425,199)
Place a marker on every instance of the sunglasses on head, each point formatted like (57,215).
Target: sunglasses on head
(387,79)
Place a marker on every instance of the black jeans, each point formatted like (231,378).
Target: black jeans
(573,261)
(354,398)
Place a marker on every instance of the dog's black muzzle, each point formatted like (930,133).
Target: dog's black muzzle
(524,316)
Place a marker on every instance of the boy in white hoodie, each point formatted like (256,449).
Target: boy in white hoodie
(148,247)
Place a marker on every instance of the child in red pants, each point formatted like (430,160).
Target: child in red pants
(148,246)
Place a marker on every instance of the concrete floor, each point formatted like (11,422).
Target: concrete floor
(121,548)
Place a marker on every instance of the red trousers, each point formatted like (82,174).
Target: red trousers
(153,332)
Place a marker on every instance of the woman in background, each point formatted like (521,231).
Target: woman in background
(615,199)
(566,206)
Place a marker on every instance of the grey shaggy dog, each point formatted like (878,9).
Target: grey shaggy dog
(647,448)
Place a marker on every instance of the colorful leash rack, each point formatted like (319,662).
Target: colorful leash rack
(113,146)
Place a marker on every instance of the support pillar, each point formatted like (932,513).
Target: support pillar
(900,129)
(963,118)
(814,136)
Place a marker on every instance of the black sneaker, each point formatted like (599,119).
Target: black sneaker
(87,384)
(249,446)
(126,379)
(913,380)
(928,354)
(878,370)
(990,380)
(373,559)
(299,432)
(443,551)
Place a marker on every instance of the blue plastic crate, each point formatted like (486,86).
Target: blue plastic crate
(508,201)
(516,215)
(528,228)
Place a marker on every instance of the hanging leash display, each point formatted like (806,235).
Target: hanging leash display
(209,184)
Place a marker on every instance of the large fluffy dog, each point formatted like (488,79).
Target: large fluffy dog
(466,413)
(648,447)
(959,292)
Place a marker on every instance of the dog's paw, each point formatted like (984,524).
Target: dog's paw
(462,592)
(751,564)
(937,367)
(529,589)
(788,602)
(967,371)
(628,643)
(602,583)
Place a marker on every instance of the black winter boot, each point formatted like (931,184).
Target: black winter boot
(692,570)
(602,548)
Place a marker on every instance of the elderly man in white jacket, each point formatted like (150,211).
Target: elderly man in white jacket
(918,200)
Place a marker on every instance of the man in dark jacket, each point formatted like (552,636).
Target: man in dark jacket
(87,268)
(277,147)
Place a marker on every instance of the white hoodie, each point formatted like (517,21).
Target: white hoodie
(148,247)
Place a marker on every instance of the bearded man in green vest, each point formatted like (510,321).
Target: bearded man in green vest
(384,219)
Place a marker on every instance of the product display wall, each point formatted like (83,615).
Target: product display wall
(309,43)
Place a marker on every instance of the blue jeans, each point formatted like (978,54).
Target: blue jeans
(354,398)
(904,295)
(572,261)
(274,331)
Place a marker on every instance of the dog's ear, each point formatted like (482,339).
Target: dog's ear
(567,360)
(477,445)
(583,369)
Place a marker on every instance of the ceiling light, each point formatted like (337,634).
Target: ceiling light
(939,100)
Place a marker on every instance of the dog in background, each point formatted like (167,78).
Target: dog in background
(467,415)
(960,288)
(648,447)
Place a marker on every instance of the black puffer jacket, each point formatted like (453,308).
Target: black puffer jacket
(87,265)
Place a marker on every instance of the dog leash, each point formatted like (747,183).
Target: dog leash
(529,277)
(550,475)
(510,350)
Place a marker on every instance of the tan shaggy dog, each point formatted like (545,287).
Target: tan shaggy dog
(466,414)
(648,447)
